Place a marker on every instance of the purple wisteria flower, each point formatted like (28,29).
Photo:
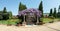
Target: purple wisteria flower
(31,10)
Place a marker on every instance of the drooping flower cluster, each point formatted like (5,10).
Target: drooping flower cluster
(32,10)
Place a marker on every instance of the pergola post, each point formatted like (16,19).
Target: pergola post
(37,21)
(24,23)
(24,18)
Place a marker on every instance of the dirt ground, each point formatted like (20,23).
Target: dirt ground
(46,27)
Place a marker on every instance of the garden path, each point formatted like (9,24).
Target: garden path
(46,27)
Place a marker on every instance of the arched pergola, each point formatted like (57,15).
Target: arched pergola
(30,15)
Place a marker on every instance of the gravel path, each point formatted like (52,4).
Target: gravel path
(46,27)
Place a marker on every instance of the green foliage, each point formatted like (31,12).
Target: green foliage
(51,13)
(58,14)
(22,7)
(4,10)
(41,8)
(1,17)
(55,14)
(4,15)
(10,15)
(46,20)
(9,21)
(59,9)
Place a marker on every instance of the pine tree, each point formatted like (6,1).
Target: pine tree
(41,8)
(58,14)
(50,12)
(22,6)
(54,14)
(5,14)
(4,10)
(59,9)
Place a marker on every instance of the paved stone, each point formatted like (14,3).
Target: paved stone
(46,27)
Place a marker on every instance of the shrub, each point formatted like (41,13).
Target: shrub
(5,16)
(51,21)
(1,17)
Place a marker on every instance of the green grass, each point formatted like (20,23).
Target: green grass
(9,21)
(46,20)
(14,21)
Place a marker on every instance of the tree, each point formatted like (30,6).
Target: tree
(59,9)
(54,14)
(5,14)
(1,15)
(41,8)
(50,12)
(4,10)
(22,6)
(58,14)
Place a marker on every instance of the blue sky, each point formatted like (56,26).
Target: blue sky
(12,5)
